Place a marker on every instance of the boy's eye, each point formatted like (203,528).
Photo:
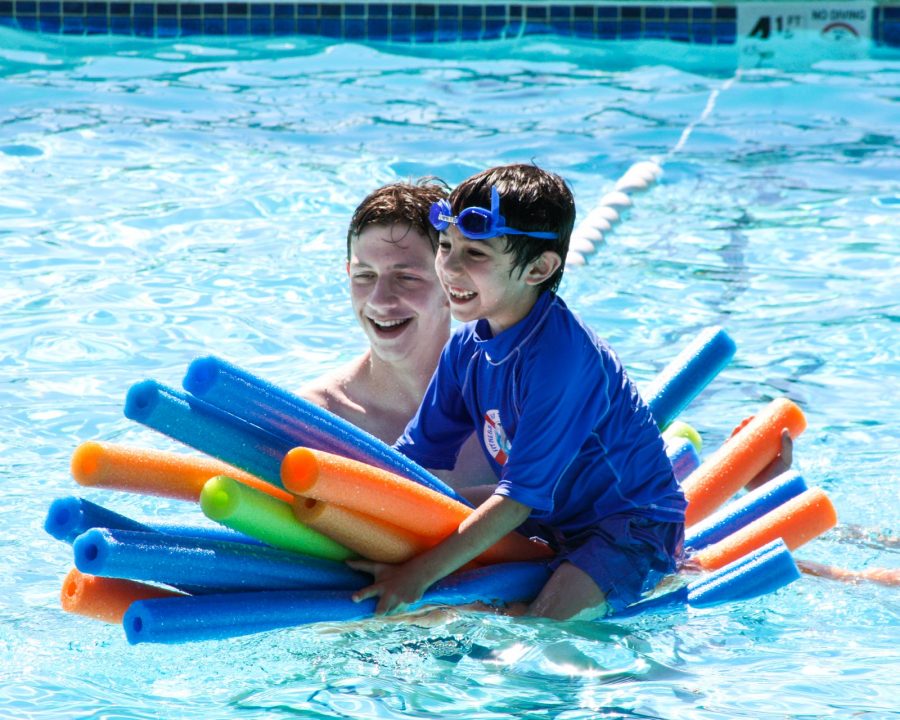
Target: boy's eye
(363,276)
(444,246)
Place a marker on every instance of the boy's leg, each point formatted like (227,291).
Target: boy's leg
(569,594)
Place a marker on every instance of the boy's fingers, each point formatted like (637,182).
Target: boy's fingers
(366,593)
(366,566)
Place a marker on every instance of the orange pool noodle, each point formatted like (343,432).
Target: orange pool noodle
(372,538)
(391,499)
(103,598)
(740,459)
(372,491)
(154,472)
(797,521)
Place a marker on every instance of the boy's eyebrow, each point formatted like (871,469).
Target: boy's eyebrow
(395,266)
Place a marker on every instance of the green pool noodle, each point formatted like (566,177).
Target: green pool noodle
(254,513)
(678,428)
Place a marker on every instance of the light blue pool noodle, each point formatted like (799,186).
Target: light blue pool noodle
(296,420)
(762,571)
(738,513)
(69,517)
(683,456)
(208,429)
(688,373)
(214,617)
(205,565)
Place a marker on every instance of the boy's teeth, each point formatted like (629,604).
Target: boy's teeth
(388,323)
(462,295)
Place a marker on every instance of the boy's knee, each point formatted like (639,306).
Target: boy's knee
(570,594)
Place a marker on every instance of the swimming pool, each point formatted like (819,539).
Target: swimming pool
(167,199)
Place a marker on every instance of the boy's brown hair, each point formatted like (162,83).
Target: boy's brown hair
(400,203)
(531,199)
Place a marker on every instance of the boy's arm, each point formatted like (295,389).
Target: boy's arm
(399,585)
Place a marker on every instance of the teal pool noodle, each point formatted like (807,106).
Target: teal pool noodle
(214,617)
(69,517)
(760,572)
(208,429)
(683,456)
(206,565)
(743,511)
(688,373)
(296,420)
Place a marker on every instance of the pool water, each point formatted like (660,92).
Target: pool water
(163,200)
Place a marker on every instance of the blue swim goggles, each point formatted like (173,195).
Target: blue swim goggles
(476,223)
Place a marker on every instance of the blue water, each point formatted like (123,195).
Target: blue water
(162,200)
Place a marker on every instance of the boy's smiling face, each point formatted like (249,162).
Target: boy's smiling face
(395,294)
(480,280)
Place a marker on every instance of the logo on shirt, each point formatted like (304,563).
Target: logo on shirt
(495,439)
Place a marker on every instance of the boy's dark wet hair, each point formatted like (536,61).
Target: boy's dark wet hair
(531,199)
(400,203)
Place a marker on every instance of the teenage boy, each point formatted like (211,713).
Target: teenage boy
(574,448)
(399,304)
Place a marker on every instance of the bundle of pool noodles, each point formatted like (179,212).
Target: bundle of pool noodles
(251,431)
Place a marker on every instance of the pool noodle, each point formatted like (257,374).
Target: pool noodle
(740,459)
(262,516)
(741,512)
(683,456)
(684,377)
(370,537)
(680,429)
(206,566)
(797,521)
(154,472)
(228,615)
(69,517)
(206,428)
(105,599)
(762,571)
(297,420)
(392,499)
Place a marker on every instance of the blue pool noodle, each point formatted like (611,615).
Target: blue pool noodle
(213,617)
(208,429)
(296,420)
(205,565)
(762,571)
(69,517)
(743,511)
(688,373)
(683,456)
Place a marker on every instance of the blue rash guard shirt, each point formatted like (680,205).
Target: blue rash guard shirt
(564,428)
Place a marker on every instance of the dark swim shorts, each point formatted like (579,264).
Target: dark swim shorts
(626,554)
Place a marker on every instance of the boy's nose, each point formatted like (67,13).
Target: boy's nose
(383,293)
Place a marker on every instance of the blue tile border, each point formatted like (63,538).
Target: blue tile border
(437,21)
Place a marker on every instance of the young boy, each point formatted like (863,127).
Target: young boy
(399,303)
(574,447)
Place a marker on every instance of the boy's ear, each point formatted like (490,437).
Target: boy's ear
(542,267)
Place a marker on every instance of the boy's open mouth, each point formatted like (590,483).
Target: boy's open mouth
(460,296)
(389,328)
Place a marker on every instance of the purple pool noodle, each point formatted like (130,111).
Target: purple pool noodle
(683,456)
(208,429)
(213,566)
(298,421)
(69,517)
(688,373)
(735,515)
(211,617)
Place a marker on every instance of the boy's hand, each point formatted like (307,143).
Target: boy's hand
(781,463)
(396,586)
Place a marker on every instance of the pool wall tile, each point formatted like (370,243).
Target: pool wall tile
(437,21)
